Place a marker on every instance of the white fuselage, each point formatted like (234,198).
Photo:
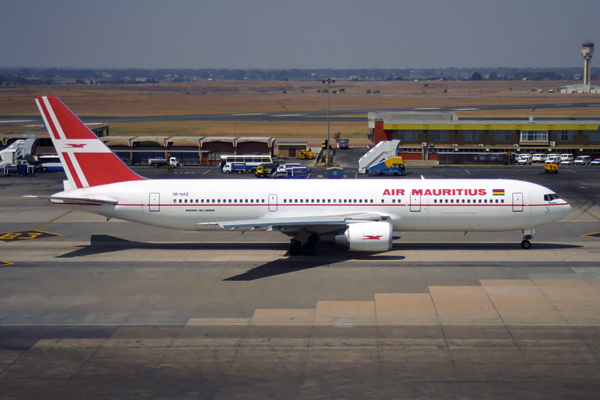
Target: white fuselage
(411,204)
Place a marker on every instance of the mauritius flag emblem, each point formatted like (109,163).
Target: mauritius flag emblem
(498,192)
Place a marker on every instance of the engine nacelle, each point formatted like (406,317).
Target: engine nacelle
(367,236)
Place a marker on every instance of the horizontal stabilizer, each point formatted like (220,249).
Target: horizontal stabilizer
(81,201)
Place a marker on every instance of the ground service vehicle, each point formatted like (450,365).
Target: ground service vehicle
(50,163)
(343,144)
(551,168)
(282,168)
(238,167)
(360,215)
(172,162)
(306,154)
(297,173)
(566,159)
(264,170)
(583,160)
(391,166)
(524,159)
(252,161)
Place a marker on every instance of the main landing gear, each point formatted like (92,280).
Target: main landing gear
(527,236)
(308,249)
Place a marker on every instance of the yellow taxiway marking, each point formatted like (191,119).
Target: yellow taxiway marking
(25,235)
(595,235)
(4,263)
(52,220)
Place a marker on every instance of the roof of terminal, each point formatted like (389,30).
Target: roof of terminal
(450,121)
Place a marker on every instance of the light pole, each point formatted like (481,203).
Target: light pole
(328,81)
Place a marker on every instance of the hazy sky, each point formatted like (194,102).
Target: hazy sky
(297,33)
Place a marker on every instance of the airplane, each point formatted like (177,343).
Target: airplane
(358,214)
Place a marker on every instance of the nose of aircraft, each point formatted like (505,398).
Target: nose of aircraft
(565,209)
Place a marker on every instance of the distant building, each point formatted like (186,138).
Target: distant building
(443,137)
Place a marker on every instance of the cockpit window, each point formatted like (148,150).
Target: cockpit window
(550,197)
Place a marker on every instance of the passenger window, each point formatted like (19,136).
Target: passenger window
(393,200)
(174,200)
(180,201)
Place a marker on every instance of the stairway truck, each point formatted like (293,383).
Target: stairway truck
(381,152)
(392,166)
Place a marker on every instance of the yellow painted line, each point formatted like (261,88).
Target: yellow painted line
(17,236)
(595,235)
(68,212)
(5,263)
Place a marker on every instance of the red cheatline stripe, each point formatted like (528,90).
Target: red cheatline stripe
(72,170)
(48,119)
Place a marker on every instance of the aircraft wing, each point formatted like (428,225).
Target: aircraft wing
(332,220)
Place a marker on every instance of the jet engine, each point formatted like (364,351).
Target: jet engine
(367,236)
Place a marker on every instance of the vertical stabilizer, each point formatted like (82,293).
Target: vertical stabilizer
(86,160)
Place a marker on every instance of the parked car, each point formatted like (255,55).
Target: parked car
(566,159)
(553,159)
(524,159)
(595,162)
(583,160)
(539,158)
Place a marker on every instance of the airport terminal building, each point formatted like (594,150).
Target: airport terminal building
(442,137)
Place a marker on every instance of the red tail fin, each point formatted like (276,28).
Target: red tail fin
(86,160)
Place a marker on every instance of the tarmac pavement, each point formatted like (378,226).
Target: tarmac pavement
(111,309)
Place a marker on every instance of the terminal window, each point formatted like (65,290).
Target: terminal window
(534,136)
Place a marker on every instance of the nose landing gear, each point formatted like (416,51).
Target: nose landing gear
(527,236)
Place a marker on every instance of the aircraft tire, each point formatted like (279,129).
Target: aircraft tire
(295,248)
(309,249)
(526,244)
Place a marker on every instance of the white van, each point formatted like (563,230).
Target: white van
(566,159)
(583,160)
(553,159)
(524,159)
(539,157)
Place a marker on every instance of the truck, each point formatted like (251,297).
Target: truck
(391,166)
(238,167)
(171,162)
(524,159)
(297,173)
(265,170)
(307,154)
(282,168)
(343,144)
(18,158)
(381,152)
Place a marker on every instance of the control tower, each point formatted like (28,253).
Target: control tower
(587,51)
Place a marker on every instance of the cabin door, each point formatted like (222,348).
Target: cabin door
(517,202)
(272,202)
(415,202)
(154,202)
